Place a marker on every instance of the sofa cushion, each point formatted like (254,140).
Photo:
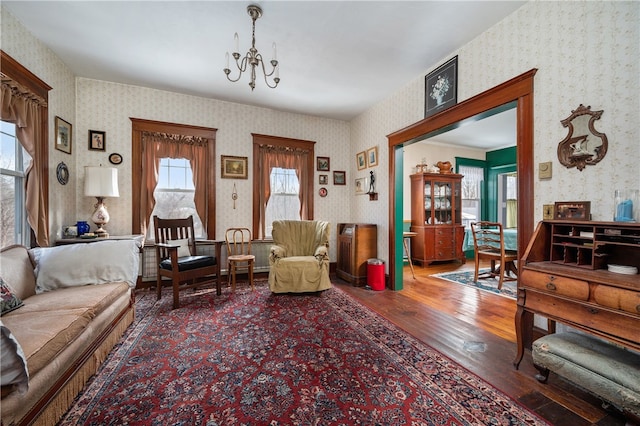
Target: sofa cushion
(81,264)
(48,322)
(13,363)
(8,300)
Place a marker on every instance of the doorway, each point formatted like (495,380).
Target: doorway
(518,90)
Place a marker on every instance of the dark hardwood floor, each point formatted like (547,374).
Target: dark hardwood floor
(457,320)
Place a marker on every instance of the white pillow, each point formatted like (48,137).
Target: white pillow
(86,263)
(13,363)
(183,246)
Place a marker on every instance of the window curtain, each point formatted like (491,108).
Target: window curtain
(162,145)
(512,201)
(25,109)
(287,158)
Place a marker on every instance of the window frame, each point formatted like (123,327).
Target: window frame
(21,224)
(281,142)
(138,126)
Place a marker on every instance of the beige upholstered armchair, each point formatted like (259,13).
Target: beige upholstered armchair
(299,258)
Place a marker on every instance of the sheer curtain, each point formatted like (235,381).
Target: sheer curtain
(287,158)
(162,145)
(29,111)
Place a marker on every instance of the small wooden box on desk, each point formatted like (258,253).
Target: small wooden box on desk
(357,243)
(564,277)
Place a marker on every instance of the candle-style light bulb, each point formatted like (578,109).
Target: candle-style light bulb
(237,41)
(275,52)
(226,56)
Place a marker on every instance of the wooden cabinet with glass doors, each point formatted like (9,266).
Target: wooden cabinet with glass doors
(436,217)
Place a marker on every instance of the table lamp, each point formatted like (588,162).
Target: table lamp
(100,182)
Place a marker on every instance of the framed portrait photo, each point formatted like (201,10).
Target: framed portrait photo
(97,140)
(372,157)
(322,164)
(361,160)
(64,135)
(323,179)
(441,87)
(339,177)
(234,167)
(362,186)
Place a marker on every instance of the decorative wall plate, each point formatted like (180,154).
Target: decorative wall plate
(62,173)
(115,158)
(323,192)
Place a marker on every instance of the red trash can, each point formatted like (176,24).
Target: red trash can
(375,274)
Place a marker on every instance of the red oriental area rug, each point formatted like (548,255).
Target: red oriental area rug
(256,358)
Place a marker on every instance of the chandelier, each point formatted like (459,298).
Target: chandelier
(253,58)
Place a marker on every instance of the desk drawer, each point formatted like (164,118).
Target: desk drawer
(617,298)
(554,284)
(585,315)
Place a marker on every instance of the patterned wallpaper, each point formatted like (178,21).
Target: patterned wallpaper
(107,107)
(37,58)
(586,53)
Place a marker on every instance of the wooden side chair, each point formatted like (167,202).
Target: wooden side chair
(488,243)
(178,260)
(239,254)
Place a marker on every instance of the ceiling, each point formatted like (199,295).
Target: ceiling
(488,133)
(337,58)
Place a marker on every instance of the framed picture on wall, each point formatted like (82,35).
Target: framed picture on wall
(234,167)
(372,157)
(361,160)
(323,179)
(441,87)
(64,135)
(339,177)
(362,186)
(97,140)
(322,164)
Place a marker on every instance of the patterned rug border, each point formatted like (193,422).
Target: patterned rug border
(505,292)
(361,318)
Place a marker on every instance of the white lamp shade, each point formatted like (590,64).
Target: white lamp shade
(101,182)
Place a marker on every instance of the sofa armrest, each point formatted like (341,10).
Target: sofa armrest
(321,253)
(276,252)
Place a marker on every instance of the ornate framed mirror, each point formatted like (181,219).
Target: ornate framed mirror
(583,145)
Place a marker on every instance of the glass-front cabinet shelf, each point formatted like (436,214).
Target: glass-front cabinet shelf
(436,216)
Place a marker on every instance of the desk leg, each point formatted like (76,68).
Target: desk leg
(524,328)
(406,250)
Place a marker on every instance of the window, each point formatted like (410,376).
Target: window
(282,181)
(471,193)
(15,160)
(24,101)
(284,203)
(174,194)
(508,199)
(184,158)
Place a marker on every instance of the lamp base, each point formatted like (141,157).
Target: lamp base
(101,233)
(100,217)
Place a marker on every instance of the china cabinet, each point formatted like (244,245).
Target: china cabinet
(436,217)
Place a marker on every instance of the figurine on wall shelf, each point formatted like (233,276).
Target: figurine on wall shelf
(372,181)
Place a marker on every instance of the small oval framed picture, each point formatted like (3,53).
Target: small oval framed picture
(115,158)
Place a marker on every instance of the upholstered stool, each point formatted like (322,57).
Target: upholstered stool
(607,371)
